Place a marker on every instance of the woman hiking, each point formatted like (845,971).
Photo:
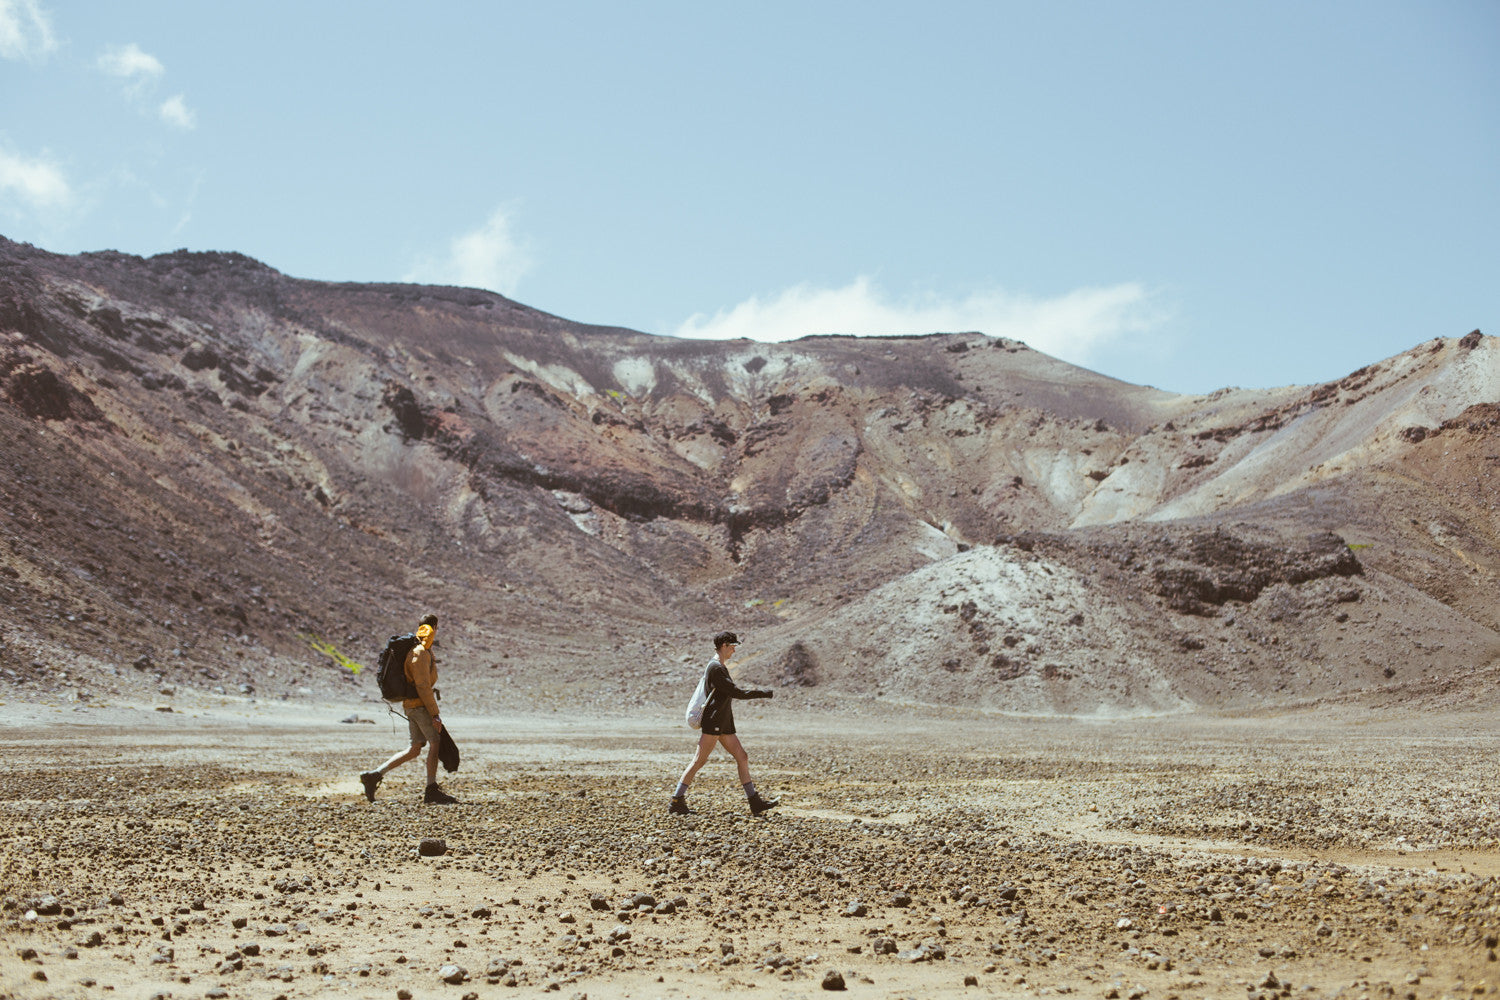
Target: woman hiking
(718,728)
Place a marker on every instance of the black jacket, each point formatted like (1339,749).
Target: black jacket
(718,710)
(447,750)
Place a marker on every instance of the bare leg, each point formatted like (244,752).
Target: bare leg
(737,751)
(432,762)
(705,747)
(411,753)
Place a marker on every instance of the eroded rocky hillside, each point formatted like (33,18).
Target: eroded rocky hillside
(211,462)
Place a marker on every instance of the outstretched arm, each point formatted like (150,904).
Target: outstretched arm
(726,687)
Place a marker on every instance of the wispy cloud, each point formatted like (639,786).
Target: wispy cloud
(1075,326)
(35,183)
(488,257)
(131,64)
(139,72)
(175,112)
(25,31)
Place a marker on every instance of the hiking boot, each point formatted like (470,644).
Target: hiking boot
(759,805)
(435,796)
(370,779)
(679,807)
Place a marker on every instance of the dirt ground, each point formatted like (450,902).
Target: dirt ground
(227,851)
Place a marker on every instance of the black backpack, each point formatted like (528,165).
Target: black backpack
(394,684)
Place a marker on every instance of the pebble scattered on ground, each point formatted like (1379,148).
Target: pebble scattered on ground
(1158,865)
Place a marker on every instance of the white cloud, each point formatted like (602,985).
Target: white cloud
(25,31)
(489,257)
(140,72)
(37,183)
(1074,326)
(130,63)
(174,111)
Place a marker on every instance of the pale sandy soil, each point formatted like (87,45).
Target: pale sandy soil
(228,852)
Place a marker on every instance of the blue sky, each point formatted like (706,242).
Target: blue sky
(1188,195)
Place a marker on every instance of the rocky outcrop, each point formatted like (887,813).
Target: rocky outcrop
(799,666)
(41,394)
(1198,570)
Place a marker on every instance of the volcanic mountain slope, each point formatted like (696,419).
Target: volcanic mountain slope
(213,462)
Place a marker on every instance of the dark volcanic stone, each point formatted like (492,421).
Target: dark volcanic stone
(799,667)
(200,358)
(40,394)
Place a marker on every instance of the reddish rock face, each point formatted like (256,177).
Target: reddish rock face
(264,461)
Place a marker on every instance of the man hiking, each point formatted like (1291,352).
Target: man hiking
(718,728)
(422,719)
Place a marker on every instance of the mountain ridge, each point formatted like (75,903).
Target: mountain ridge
(366,451)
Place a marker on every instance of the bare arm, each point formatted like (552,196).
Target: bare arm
(419,669)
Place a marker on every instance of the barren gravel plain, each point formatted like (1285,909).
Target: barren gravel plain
(227,851)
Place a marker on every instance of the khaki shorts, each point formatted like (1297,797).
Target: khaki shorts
(419,724)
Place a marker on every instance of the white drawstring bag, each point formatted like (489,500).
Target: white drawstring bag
(695,704)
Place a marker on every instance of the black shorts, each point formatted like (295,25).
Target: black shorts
(719,730)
